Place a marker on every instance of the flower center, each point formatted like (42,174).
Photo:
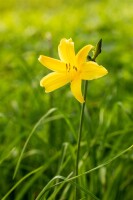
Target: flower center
(71,70)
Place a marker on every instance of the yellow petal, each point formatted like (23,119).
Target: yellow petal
(53,81)
(82,54)
(91,70)
(52,64)
(76,89)
(66,51)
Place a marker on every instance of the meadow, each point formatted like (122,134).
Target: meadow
(38,131)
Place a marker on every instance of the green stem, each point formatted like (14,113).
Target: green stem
(79,136)
(95,55)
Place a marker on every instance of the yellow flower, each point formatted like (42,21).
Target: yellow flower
(70,68)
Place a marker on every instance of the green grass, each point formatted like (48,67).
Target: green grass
(38,131)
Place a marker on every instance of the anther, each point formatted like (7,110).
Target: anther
(75,68)
(68,67)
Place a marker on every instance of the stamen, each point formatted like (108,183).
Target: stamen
(75,68)
(66,66)
(69,67)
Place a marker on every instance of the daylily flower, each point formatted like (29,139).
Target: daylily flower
(70,68)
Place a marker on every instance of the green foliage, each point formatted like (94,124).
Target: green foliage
(39,131)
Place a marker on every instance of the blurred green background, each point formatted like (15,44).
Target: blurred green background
(33,27)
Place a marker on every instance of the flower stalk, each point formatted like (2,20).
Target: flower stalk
(96,52)
(79,136)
